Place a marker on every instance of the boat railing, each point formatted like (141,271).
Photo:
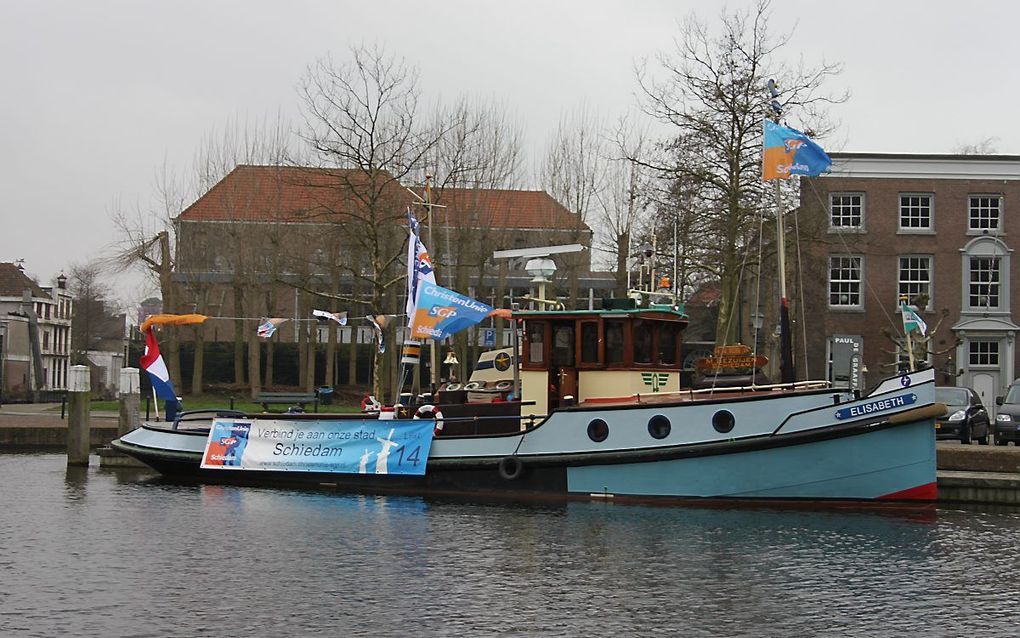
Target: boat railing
(796,385)
(205,415)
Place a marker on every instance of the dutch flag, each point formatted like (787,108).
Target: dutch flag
(152,362)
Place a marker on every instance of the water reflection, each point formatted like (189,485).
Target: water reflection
(114,553)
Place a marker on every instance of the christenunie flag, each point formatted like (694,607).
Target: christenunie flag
(912,320)
(152,362)
(419,266)
(441,313)
(790,152)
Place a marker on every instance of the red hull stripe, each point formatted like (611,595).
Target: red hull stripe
(926,492)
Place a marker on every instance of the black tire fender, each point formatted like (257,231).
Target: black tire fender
(511,468)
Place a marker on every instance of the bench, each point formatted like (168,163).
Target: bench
(287,398)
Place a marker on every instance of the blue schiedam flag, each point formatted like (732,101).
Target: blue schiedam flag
(790,152)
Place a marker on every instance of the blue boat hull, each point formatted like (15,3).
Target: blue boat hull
(890,463)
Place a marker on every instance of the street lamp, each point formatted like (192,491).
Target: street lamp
(451,360)
(757,321)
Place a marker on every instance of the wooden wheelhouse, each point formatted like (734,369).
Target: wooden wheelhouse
(569,357)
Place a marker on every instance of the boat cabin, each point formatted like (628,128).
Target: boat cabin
(568,357)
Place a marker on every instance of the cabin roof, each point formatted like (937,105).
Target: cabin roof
(669,313)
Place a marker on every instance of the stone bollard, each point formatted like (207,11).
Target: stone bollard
(78,430)
(130,401)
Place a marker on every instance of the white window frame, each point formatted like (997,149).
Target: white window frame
(902,285)
(973,229)
(859,281)
(972,292)
(847,228)
(992,352)
(919,206)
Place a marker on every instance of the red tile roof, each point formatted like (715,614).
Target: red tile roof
(13,282)
(278,193)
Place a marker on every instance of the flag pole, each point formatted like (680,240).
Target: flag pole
(786,371)
(906,331)
(433,346)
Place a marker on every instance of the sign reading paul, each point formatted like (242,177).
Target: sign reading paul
(347,447)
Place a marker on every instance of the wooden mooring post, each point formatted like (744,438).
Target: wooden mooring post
(130,401)
(78,427)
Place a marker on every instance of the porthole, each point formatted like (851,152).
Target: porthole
(598,430)
(723,421)
(659,426)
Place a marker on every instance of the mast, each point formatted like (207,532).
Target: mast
(433,349)
(786,371)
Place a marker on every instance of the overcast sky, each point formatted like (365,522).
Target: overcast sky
(99,95)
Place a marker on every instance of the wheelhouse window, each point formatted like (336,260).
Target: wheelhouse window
(915,279)
(614,341)
(846,210)
(536,342)
(915,211)
(845,276)
(642,341)
(984,212)
(667,344)
(590,342)
(983,353)
(563,345)
(984,284)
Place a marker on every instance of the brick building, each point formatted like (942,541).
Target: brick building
(939,229)
(261,225)
(35,335)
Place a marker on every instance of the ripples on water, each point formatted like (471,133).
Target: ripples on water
(111,553)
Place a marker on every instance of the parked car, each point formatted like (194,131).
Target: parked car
(1007,421)
(965,418)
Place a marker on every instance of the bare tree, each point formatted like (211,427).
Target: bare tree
(363,118)
(574,171)
(711,92)
(91,294)
(986,146)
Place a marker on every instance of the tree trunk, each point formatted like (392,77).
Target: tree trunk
(309,384)
(253,364)
(622,247)
(239,378)
(270,311)
(199,362)
(352,361)
(302,344)
(172,353)
(269,363)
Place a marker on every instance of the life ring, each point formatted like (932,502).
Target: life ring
(473,385)
(511,468)
(429,411)
(504,385)
(452,387)
(370,404)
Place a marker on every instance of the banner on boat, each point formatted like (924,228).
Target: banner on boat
(441,312)
(346,447)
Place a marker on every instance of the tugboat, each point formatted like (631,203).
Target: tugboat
(593,409)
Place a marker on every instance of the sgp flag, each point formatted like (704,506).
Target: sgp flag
(152,362)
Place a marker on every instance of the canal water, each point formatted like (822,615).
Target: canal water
(99,552)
